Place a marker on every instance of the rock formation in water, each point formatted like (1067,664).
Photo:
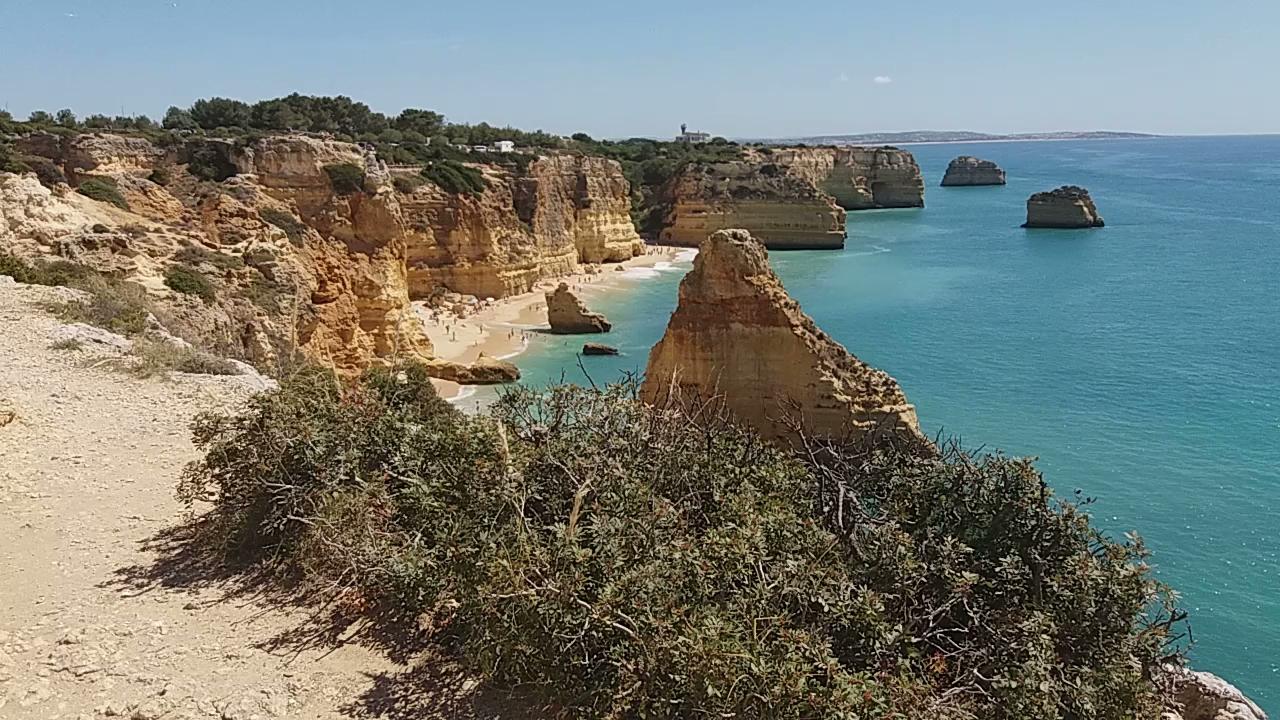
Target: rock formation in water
(968,171)
(789,198)
(598,349)
(1067,207)
(568,315)
(1204,696)
(737,335)
(296,263)
(484,371)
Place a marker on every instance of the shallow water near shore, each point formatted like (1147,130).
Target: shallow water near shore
(1140,362)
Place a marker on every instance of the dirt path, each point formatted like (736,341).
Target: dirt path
(104,611)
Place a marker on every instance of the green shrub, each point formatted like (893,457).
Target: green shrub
(346,178)
(406,184)
(103,189)
(160,176)
(116,306)
(454,177)
(49,272)
(189,281)
(10,162)
(208,161)
(194,255)
(617,560)
(293,228)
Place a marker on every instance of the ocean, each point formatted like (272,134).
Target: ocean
(1140,362)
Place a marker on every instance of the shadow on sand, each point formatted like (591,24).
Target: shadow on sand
(432,685)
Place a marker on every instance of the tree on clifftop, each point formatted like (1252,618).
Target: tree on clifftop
(220,113)
(175,118)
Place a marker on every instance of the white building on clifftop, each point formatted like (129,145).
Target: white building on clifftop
(695,138)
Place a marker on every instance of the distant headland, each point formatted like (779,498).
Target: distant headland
(952,136)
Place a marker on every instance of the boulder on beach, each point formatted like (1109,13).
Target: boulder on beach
(568,315)
(1068,207)
(598,349)
(969,171)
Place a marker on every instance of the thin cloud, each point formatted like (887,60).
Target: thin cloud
(882,79)
(844,77)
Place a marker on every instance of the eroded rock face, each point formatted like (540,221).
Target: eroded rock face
(102,153)
(484,371)
(297,265)
(967,171)
(1067,207)
(1204,696)
(737,335)
(568,315)
(789,198)
(561,211)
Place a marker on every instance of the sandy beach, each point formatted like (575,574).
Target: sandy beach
(504,328)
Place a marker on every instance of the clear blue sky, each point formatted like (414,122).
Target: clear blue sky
(618,69)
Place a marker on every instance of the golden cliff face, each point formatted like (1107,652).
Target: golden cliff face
(737,336)
(475,245)
(359,312)
(789,198)
(301,265)
(542,222)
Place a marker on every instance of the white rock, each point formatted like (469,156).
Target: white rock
(91,335)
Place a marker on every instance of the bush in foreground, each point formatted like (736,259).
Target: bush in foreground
(616,560)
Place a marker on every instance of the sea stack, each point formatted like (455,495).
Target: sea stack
(968,171)
(1068,207)
(738,336)
(567,315)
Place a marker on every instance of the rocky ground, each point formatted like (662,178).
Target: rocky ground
(106,608)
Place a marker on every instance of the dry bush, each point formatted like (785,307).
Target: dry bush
(154,358)
(618,560)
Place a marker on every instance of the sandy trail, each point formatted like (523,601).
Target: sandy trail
(105,610)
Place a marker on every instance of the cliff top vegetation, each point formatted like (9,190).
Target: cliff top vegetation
(611,559)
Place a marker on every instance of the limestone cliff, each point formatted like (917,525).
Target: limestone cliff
(1067,207)
(527,225)
(299,264)
(789,198)
(737,335)
(968,171)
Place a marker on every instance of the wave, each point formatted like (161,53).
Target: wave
(464,392)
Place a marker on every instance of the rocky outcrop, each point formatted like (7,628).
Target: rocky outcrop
(100,153)
(568,315)
(789,198)
(1203,696)
(598,349)
(298,265)
(859,178)
(1067,207)
(738,336)
(968,171)
(585,201)
(484,371)
(527,225)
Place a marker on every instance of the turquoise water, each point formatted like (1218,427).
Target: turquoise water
(1140,362)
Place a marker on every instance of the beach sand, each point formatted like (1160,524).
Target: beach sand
(503,328)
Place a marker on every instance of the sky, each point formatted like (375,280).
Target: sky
(615,69)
